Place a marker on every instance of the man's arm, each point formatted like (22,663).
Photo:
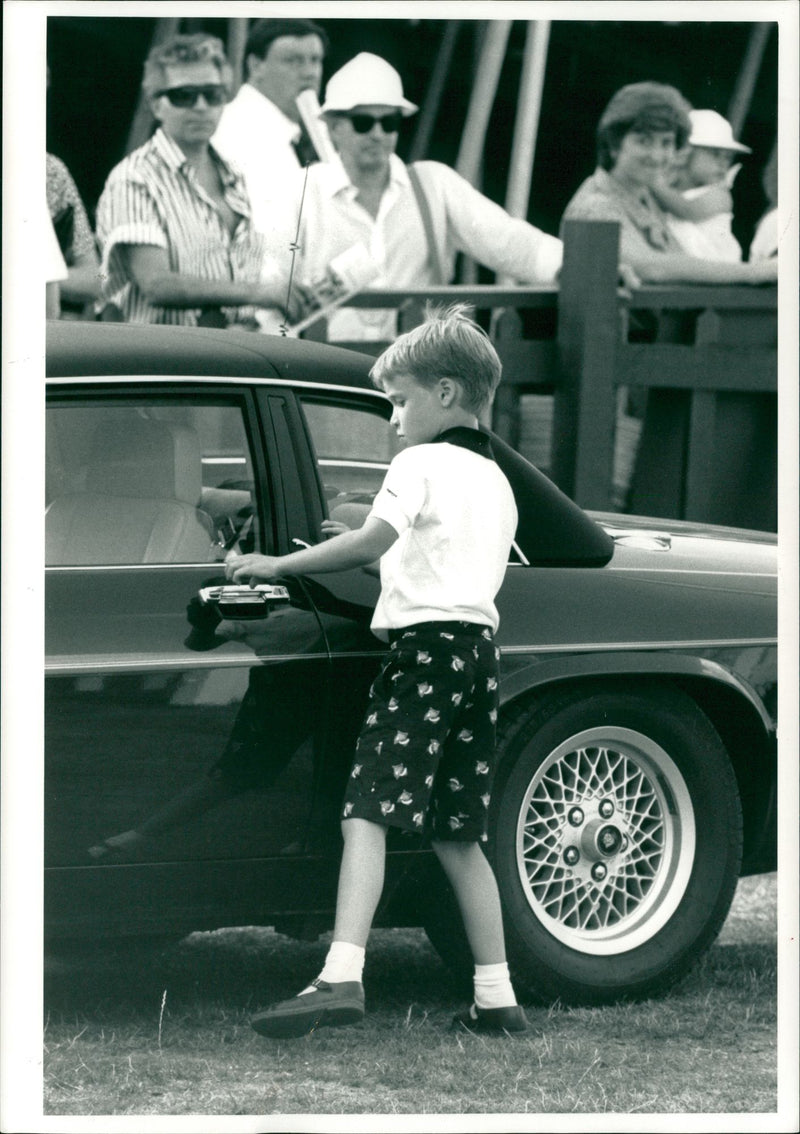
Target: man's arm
(486,232)
(350,549)
(149,267)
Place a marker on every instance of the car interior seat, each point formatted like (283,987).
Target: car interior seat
(351,513)
(139,500)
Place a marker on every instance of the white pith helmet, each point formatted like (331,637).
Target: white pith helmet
(366,80)
(712,130)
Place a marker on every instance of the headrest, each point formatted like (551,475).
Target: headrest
(148,459)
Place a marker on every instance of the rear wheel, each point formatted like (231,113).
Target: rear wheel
(616,837)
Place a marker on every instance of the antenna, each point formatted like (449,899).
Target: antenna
(294,248)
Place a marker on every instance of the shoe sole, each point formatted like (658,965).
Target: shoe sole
(301,1023)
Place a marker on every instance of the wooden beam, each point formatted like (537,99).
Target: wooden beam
(739,105)
(433,95)
(584,412)
(484,90)
(142,121)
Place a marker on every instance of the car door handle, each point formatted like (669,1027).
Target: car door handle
(237,602)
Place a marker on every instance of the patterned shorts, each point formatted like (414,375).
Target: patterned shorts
(425,756)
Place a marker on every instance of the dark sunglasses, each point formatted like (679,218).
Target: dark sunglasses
(363,123)
(186,97)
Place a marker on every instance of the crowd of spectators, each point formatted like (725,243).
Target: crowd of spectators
(210,219)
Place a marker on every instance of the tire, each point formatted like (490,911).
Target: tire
(616,837)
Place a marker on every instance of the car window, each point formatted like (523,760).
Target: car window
(354,445)
(154,481)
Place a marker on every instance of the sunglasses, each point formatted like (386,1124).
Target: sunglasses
(363,123)
(186,97)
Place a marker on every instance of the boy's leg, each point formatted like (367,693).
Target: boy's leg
(472,878)
(475,886)
(337,995)
(360,880)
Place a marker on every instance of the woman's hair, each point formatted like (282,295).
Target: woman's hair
(638,108)
(179,49)
(449,344)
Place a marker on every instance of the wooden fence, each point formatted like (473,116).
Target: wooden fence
(697,367)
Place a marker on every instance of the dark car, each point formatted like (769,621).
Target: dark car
(198,735)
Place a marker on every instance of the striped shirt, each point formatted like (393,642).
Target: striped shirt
(153,197)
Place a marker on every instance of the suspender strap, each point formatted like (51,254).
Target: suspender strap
(440,277)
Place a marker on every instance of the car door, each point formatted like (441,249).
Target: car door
(158,719)
(351,444)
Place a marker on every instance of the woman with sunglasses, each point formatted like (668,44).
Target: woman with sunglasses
(174,218)
(409,222)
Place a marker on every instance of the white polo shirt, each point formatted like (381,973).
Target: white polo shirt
(455,516)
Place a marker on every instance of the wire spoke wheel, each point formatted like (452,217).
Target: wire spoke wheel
(616,839)
(605,840)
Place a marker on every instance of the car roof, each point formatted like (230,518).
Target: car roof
(552,529)
(77,349)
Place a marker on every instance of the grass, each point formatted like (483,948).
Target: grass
(138,1031)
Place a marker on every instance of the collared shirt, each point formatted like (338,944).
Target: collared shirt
(463,220)
(645,225)
(153,197)
(455,515)
(258,138)
(67,210)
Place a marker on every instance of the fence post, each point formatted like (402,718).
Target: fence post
(584,411)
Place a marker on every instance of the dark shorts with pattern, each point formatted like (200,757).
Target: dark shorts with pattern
(425,757)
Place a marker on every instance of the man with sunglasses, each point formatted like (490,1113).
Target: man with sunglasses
(260,129)
(410,220)
(174,218)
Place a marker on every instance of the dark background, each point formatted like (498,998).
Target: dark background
(96,65)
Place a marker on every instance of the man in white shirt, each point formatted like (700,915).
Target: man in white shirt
(368,198)
(260,127)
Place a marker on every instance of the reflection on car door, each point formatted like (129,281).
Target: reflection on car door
(199,734)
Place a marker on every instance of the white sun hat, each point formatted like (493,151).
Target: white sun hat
(367,80)
(712,130)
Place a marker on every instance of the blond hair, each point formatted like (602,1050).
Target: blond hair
(448,344)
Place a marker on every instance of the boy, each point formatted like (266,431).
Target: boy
(699,194)
(442,526)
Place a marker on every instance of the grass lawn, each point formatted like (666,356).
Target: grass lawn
(165,1032)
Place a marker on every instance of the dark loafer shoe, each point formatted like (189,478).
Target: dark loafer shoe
(511,1019)
(329,1004)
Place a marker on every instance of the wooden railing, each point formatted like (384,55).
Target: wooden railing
(701,361)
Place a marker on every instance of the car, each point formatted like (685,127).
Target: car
(198,734)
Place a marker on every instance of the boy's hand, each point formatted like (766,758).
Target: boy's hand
(252,567)
(333,527)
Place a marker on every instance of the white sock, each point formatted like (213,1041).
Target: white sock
(343,962)
(493,986)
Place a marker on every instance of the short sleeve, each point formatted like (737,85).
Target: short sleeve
(403,492)
(127,214)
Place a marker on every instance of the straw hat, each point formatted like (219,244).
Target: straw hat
(367,80)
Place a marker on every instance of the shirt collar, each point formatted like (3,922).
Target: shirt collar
(173,156)
(473,439)
(333,177)
(641,206)
(268,111)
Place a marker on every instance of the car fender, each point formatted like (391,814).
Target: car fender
(522,674)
